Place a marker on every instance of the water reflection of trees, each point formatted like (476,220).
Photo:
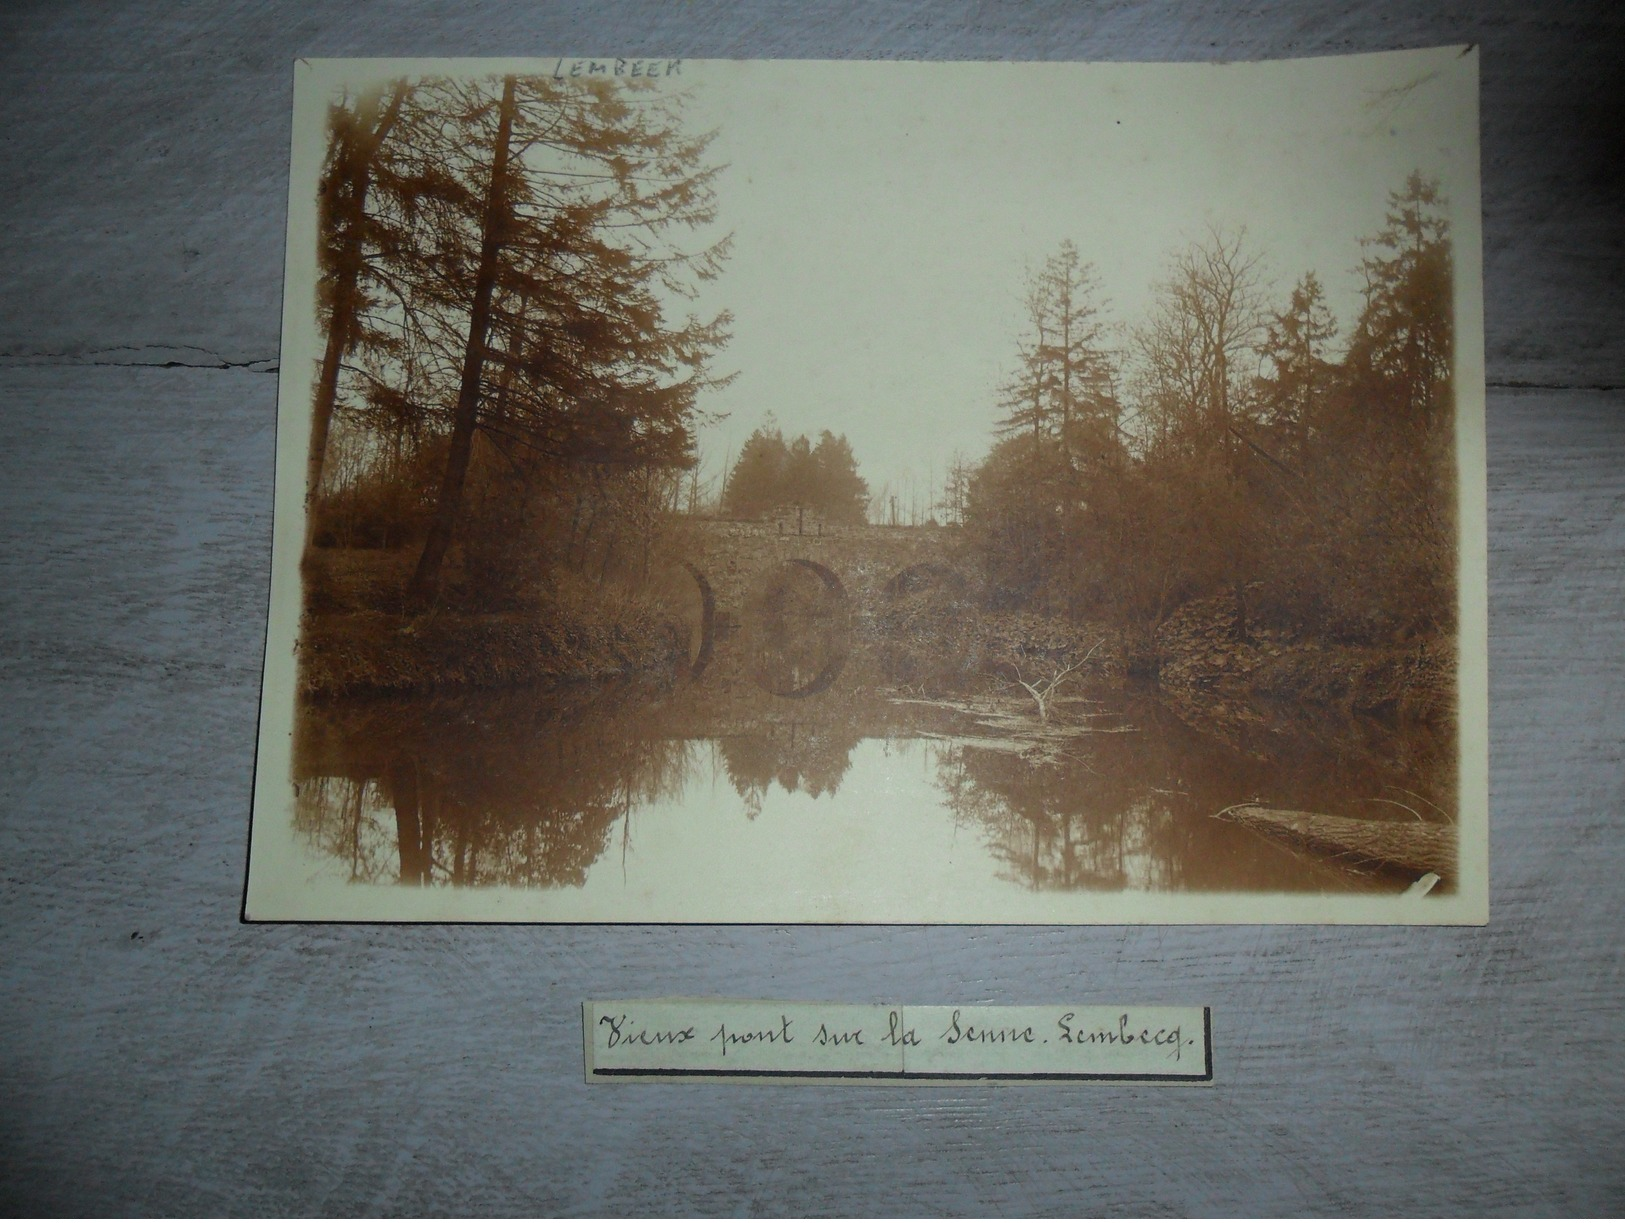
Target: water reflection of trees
(516,796)
(533,789)
(1059,824)
(811,758)
(1131,808)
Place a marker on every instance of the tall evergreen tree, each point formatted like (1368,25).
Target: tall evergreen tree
(1062,392)
(1397,425)
(1405,340)
(772,473)
(1299,377)
(843,495)
(357,132)
(754,485)
(530,253)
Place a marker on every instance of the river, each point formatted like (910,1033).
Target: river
(716,799)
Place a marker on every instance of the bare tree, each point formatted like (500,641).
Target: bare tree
(1197,350)
(1198,359)
(1042,688)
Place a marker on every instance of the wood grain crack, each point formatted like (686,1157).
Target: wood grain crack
(159,356)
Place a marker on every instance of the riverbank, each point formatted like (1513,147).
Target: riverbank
(359,638)
(1200,654)
(933,641)
(1196,659)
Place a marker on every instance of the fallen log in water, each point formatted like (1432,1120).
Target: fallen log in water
(1415,848)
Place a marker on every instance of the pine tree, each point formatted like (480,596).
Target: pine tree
(754,485)
(1293,393)
(533,259)
(843,495)
(357,134)
(772,473)
(1397,426)
(1404,342)
(1062,392)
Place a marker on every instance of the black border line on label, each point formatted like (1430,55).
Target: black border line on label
(914,1076)
(895,1076)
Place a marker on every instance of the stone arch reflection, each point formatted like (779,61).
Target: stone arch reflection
(799,619)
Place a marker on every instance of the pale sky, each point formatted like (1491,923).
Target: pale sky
(884,214)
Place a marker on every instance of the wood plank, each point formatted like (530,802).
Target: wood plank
(160,1057)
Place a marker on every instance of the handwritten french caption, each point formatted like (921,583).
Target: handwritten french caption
(674,1038)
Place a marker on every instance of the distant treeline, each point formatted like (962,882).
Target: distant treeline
(503,387)
(1221,445)
(771,473)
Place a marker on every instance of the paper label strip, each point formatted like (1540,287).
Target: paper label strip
(708,1038)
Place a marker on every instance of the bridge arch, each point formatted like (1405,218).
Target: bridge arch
(708,623)
(831,579)
(836,663)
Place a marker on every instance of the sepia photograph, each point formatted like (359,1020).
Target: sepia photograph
(794,491)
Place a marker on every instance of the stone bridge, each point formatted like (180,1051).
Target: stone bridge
(867,560)
(862,566)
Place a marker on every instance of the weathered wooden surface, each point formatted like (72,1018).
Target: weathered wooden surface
(156,1056)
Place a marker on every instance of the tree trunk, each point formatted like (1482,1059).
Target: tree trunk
(411,844)
(426,580)
(357,168)
(1415,848)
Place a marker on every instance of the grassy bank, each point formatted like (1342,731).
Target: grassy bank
(358,636)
